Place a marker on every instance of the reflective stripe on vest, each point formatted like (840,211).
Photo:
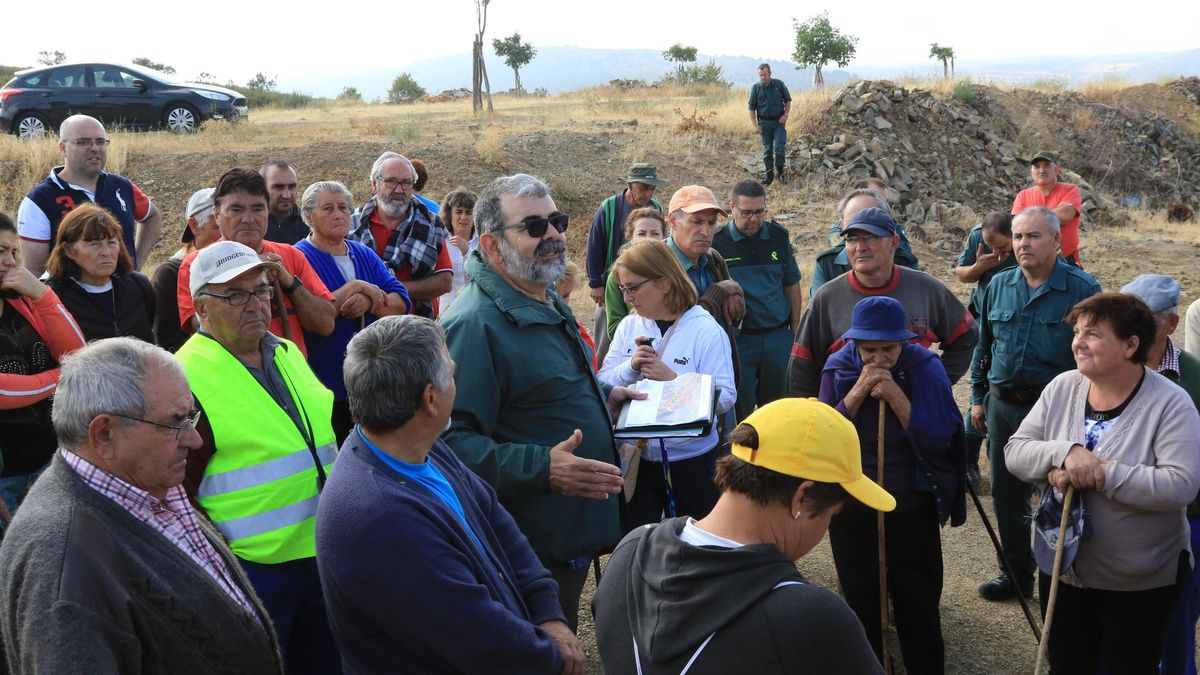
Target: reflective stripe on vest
(260,486)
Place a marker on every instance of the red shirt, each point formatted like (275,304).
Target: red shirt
(381,234)
(1061,193)
(296,265)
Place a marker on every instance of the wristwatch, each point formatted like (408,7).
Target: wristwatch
(295,284)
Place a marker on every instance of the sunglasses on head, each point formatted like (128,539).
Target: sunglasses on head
(536,225)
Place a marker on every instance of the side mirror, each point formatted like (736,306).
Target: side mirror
(140,85)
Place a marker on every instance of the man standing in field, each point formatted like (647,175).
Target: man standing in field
(1061,198)
(770,103)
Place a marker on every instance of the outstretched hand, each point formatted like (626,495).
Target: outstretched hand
(573,476)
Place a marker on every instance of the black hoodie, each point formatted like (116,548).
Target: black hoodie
(669,597)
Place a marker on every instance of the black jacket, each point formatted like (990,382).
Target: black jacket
(94,312)
(668,597)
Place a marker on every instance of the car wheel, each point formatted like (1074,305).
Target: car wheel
(29,126)
(181,118)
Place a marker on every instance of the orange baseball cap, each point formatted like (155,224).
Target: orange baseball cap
(693,198)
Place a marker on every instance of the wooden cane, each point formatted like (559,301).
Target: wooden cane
(281,307)
(883,593)
(1058,554)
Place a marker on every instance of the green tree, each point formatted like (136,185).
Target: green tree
(349,94)
(260,83)
(51,58)
(154,65)
(206,78)
(404,89)
(945,55)
(683,57)
(515,54)
(818,43)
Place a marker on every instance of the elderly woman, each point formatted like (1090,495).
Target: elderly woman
(35,332)
(1124,437)
(93,275)
(363,289)
(924,468)
(668,334)
(457,213)
(722,593)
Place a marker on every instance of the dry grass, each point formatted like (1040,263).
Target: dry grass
(1105,89)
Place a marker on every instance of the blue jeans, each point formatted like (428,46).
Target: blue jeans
(774,142)
(764,359)
(291,593)
(1179,652)
(14,488)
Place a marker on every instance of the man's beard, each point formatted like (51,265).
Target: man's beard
(394,209)
(531,268)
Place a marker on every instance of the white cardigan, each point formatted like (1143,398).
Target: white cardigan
(697,344)
(1139,522)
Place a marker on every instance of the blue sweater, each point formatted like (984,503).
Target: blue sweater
(406,588)
(327,352)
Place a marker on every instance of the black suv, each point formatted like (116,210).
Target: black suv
(37,100)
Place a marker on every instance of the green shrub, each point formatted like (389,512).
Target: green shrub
(404,89)
(965,91)
(709,73)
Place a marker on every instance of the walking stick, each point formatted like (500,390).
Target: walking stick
(883,593)
(987,524)
(1044,643)
(281,307)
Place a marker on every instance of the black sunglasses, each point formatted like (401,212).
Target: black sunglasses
(536,225)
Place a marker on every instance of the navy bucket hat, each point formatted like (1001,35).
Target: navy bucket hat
(1046,521)
(879,318)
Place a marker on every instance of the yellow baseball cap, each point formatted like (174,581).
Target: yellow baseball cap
(805,438)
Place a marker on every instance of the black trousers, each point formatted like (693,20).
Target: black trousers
(570,587)
(692,479)
(1120,631)
(914,570)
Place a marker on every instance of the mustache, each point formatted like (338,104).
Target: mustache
(550,247)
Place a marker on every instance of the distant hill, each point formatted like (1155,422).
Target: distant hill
(1069,69)
(557,69)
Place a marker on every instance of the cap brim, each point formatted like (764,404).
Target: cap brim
(869,493)
(656,182)
(877,231)
(230,275)
(693,208)
(880,335)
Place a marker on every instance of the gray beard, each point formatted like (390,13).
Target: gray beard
(393,209)
(532,269)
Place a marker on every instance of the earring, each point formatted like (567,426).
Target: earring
(796,516)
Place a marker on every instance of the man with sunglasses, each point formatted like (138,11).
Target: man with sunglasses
(84,147)
(107,568)
(409,238)
(532,419)
(266,446)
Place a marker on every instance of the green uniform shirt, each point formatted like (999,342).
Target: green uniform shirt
(763,265)
(968,257)
(1024,339)
(768,101)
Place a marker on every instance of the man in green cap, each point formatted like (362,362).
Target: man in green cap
(607,235)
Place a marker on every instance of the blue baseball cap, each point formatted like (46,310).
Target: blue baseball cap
(874,220)
(879,318)
(1046,521)
(1159,291)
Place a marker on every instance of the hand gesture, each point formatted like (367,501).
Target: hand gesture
(460,242)
(989,261)
(22,281)
(578,477)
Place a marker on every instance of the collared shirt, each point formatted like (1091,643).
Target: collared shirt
(1024,339)
(764,265)
(969,257)
(1169,366)
(287,229)
(697,271)
(173,518)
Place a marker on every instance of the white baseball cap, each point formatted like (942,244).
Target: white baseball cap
(221,262)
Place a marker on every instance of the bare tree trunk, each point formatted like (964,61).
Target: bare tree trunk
(476,97)
(818,78)
(951,66)
(517,76)
(487,86)
(945,70)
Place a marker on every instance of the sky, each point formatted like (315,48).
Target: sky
(292,39)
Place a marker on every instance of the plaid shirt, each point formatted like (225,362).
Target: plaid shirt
(173,519)
(1169,366)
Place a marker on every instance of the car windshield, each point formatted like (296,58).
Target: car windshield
(152,74)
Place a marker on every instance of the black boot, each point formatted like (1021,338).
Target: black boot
(1003,588)
(782,176)
(770,178)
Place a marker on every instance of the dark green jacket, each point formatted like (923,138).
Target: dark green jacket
(1189,379)
(525,382)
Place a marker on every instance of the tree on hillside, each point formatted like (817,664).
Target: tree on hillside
(154,65)
(51,58)
(260,82)
(516,54)
(349,94)
(681,55)
(404,89)
(945,55)
(818,43)
(206,78)
(479,79)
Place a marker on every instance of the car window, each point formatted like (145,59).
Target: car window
(66,77)
(111,77)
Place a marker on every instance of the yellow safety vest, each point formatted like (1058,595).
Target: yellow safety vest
(260,487)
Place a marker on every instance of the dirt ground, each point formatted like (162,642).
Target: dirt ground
(583,159)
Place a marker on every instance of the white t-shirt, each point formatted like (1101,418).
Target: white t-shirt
(692,534)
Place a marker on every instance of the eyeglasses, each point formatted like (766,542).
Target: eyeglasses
(633,288)
(182,428)
(862,239)
(238,298)
(536,225)
(88,142)
(752,214)
(391,184)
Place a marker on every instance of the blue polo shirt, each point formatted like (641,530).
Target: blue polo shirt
(697,271)
(764,265)
(428,476)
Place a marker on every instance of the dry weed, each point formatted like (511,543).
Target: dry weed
(489,148)
(695,122)
(1082,118)
(1105,89)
